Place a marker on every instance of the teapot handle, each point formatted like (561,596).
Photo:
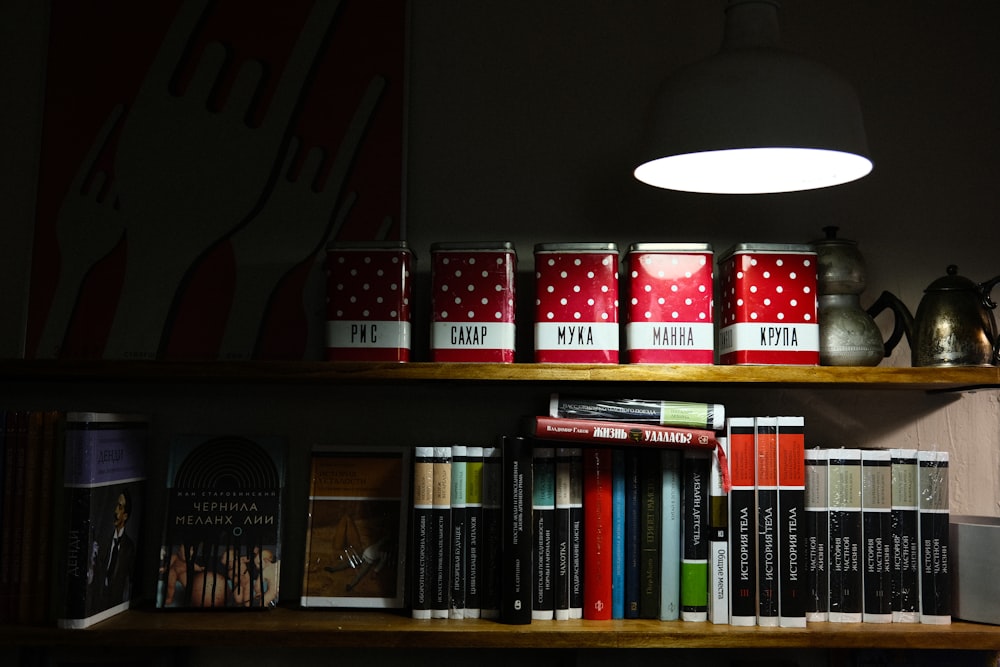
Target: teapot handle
(902,322)
(985,289)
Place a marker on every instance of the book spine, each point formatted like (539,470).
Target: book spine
(441,534)
(633,533)
(473,531)
(876,533)
(619,433)
(423,518)
(934,514)
(543,509)
(492,552)
(50,495)
(767,520)
(846,580)
(617,533)
(28,544)
(742,522)
(515,589)
(905,547)
(576,546)
(562,534)
(709,416)
(792,563)
(597,507)
(696,469)
(650,552)
(10,482)
(817,513)
(670,534)
(718,542)
(458,546)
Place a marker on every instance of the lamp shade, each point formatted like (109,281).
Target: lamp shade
(754,118)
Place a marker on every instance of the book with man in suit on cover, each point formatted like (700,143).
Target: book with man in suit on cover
(103,497)
(221,545)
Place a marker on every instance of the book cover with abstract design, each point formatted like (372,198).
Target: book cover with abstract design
(356,530)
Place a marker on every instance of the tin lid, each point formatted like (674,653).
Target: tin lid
(768,248)
(367,245)
(475,246)
(671,247)
(583,246)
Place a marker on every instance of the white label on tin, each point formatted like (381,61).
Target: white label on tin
(472,336)
(576,335)
(670,336)
(368,334)
(769,337)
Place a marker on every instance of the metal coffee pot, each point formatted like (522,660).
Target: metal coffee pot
(954,324)
(848,336)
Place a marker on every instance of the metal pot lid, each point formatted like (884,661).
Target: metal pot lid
(952,281)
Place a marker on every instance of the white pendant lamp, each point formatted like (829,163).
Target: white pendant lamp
(754,118)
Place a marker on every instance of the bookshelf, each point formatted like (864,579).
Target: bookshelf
(287,627)
(146,383)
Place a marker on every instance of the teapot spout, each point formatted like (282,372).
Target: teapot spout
(902,319)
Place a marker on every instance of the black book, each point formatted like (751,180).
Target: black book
(905,547)
(935,572)
(516,578)
(543,517)
(876,531)
(817,514)
(846,576)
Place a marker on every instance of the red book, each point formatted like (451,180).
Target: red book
(597,543)
(619,433)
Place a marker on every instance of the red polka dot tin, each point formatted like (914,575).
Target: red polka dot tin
(368,301)
(473,299)
(576,304)
(768,305)
(669,309)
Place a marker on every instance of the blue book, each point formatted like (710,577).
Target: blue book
(617,533)
(670,535)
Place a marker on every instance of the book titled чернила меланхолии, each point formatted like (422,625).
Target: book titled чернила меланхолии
(222,538)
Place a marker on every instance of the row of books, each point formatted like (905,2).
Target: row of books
(528,530)
(597,510)
(877,521)
(74,497)
(772,534)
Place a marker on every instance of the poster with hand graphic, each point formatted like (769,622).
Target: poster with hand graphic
(196,159)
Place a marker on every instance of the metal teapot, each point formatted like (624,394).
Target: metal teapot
(954,324)
(848,336)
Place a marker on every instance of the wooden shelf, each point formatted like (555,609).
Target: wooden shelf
(933,379)
(366,629)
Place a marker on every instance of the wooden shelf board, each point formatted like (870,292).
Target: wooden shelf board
(366,629)
(944,379)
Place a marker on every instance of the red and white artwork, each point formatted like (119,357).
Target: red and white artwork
(197,157)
